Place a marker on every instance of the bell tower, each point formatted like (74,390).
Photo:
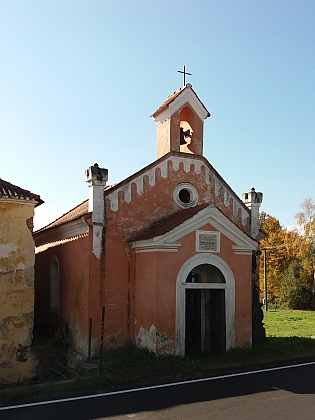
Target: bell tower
(179,123)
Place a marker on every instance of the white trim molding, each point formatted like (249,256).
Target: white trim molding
(193,195)
(182,285)
(166,247)
(67,230)
(243,244)
(23,200)
(186,96)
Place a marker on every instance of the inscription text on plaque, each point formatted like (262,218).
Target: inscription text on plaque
(207,241)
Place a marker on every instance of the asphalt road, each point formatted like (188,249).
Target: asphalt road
(282,393)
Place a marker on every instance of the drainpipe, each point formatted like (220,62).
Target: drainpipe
(265,281)
(96,179)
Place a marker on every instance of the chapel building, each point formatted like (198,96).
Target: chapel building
(164,260)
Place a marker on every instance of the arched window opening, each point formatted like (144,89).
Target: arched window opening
(205,273)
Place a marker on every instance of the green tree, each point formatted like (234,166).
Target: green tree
(295,290)
(306,222)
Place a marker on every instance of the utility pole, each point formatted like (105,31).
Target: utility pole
(265,280)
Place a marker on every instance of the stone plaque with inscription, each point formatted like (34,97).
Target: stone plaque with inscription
(207,241)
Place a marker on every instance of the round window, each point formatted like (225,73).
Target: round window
(186,195)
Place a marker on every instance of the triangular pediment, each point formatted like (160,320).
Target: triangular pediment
(176,101)
(209,215)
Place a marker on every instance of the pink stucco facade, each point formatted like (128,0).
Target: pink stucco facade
(174,220)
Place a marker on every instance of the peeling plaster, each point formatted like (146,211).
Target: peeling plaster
(6,249)
(20,266)
(114,336)
(153,341)
(80,345)
(22,324)
(29,277)
(17,258)
(22,353)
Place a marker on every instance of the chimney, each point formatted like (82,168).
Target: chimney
(96,179)
(253,201)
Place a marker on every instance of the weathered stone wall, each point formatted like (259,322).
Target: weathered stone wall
(16,291)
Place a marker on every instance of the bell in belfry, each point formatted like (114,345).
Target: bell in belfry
(183,134)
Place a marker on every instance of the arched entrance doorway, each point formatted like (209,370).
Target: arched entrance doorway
(205,311)
(205,306)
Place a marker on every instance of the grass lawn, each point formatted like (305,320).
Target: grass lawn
(290,323)
(288,340)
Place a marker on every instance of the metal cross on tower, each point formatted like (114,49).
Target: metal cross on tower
(184,73)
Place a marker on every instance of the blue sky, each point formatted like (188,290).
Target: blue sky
(79,80)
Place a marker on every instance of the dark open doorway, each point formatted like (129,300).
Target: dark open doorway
(193,322)
(205,326)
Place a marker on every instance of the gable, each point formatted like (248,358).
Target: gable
(165,225)
(151,194)
(175,101)
(207,215)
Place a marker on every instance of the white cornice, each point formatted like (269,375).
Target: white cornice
(144,246)
(67,230)
(186,96)
(42,248)
(242,250)
(243,243)
(21,201)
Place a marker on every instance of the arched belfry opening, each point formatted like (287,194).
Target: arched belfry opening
(205,326)
(179,123)
(186,124)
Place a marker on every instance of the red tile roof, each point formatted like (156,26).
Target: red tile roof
(72,214)
(10,191)
(173,96)
(166,224)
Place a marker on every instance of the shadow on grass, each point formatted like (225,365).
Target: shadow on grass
(130,367)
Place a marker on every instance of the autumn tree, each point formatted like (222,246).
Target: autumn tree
(306,222)
(286,260)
